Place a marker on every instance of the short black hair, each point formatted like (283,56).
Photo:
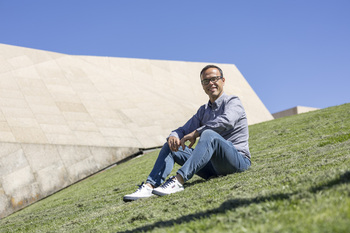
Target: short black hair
(211,66)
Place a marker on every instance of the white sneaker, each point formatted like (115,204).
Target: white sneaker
(172,185)
(142,192)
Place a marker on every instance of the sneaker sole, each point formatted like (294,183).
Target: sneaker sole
(126,199)
(159,193)
(156,192)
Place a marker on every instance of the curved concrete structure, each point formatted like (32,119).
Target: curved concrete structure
(64,117)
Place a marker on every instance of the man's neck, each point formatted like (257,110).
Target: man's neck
(212,100)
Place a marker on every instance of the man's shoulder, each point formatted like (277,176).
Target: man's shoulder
(227,98)
(232,101)
(230,96)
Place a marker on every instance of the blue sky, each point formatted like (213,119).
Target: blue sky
(292,52)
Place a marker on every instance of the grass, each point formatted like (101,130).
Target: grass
(299,182)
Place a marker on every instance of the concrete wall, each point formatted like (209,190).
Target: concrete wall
(30,172)
(64,117)
(293,111)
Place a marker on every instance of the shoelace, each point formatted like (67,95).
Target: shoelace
(140,187)
(168,182)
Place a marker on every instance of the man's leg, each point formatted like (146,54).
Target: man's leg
(161,169)
(206,172)
(213,148)
(165,163)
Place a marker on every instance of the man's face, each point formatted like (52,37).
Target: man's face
(213,89)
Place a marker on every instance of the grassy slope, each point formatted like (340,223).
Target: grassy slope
(299,182)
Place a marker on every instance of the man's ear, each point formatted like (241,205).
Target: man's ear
(223,80)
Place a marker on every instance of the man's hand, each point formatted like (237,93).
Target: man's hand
(174,143)
(189,137)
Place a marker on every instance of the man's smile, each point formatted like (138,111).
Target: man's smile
(212,88)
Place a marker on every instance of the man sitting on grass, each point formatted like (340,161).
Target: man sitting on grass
(222,148)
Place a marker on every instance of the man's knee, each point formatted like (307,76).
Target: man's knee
(165,149)
(208,133)
(166,146)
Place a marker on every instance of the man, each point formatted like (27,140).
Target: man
(222,148)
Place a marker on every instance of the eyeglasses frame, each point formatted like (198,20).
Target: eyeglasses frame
(212,79)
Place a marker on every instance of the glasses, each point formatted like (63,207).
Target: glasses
(212,79)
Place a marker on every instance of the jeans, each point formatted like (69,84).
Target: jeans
(213,156)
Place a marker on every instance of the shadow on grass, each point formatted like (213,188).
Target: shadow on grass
(344,178)
(239,202)
(189,184)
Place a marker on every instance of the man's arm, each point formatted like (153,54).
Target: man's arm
(189,137)
(174,143)
(184,131)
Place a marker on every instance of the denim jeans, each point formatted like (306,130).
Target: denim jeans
(213,156)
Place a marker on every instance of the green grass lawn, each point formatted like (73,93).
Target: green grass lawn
(299,182)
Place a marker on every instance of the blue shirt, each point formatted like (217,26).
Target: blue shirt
(226,116)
